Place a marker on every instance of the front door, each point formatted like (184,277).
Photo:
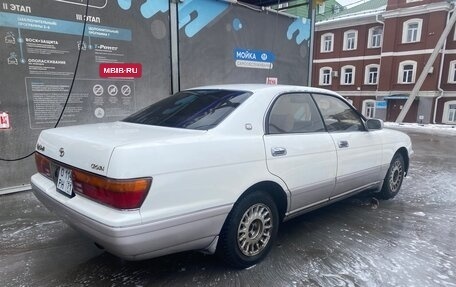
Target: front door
(299,150)
(359,152)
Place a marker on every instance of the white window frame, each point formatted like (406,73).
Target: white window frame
(400,75)
(452,72)
(321,78)
(405,29)
(446,112)
(371,36)
(364,110)
(321,8)
(367,74)
(323,43)
(343,74)
(355,44)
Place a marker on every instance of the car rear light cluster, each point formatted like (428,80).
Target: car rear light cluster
(43,165)
(118,193)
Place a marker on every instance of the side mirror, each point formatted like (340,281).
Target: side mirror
(374,124)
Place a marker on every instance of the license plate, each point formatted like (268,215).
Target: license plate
(65,181)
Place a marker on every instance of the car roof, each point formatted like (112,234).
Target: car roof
(264,87)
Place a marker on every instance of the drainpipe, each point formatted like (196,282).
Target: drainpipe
(377,19)
(439,85)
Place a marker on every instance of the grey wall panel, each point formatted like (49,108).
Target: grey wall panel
(211,32)
(39,43)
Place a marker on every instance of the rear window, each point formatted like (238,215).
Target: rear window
(195,109)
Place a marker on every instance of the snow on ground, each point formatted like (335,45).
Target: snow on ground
(433,129)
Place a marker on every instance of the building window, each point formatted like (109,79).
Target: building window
(371,76)
(449,113)
(407,72)
(350,40)
(348,75)
(321,8)
(411,31)
(452,73)
(325,76)
(327,43)
(369,108)
(375,37)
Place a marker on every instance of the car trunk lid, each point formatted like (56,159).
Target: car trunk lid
(89,147)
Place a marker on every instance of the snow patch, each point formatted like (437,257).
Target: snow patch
(434,129)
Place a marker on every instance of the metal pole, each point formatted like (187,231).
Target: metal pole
(426,69)
(312,16)
(174,37)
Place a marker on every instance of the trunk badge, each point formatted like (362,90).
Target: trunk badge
(62,152)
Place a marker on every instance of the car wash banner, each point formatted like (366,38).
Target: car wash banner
(221,42)
(39,46)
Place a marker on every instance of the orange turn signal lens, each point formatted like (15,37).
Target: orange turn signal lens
(43,164)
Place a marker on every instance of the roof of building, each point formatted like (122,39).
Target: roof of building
(367,7)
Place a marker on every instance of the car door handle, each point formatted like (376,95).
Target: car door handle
(278,151)
(343,144)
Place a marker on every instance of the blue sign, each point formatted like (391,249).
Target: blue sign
(381,104)
(254,55)
(61,26)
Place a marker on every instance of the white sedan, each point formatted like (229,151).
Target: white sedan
(215,169)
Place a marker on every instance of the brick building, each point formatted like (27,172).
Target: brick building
(373,54)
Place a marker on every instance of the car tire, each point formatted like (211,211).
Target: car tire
(394,177)
(249,230)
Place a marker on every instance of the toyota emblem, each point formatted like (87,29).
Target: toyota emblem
(62,152)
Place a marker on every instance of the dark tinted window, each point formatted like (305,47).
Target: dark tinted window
(338,115)
(294,113)
(197,109)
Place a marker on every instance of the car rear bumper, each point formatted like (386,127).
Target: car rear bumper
(141,241)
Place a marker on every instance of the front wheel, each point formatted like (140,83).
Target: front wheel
(394,178)
(249,230)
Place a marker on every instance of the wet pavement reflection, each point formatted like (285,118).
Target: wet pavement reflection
(407,241)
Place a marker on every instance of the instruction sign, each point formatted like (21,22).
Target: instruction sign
(91,100)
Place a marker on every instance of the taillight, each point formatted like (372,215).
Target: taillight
(118,193)
(43,165)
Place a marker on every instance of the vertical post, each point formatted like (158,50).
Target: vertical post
(174,46)
(312,16)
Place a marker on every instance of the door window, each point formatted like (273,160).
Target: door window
(294,113)
(338,115)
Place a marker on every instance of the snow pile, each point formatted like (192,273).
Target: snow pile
(433,129)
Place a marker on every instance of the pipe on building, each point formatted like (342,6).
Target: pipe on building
(442,60)
(377,19)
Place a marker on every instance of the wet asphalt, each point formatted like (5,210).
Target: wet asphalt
(407,241)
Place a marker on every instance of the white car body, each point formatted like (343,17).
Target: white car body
(198,175)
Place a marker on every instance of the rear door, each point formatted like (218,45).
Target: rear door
(299,150)
(359,151)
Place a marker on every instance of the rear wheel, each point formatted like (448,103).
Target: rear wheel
(249,230)
(394,177)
